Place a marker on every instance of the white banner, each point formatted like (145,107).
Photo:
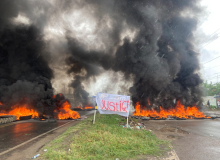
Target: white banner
(113,104)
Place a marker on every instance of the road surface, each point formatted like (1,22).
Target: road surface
(13,134)
(16,133)
(203,142)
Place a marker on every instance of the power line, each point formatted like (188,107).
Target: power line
(211,77)
(211,67)
(208,43)
(212,74)
(211,35)
(211,60)
(216,76)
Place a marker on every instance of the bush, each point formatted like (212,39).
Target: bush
(213,107)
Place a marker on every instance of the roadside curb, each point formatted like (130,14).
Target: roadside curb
(172,154)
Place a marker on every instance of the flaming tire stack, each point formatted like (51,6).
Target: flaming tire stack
(7,119)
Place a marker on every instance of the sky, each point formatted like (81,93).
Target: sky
(210,47)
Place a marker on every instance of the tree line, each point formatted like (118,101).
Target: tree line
(211,89)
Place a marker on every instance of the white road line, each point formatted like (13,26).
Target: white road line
(32,139)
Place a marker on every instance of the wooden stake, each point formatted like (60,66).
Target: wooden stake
(127,122)
(94,117)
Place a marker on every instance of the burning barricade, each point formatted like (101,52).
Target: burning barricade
(179,112)
(61,109)
(65,112)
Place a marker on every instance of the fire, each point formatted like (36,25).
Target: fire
(20,110)
(89,107)
(65,112)
(81,108)
(179,111)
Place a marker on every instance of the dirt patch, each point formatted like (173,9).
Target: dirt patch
(171,136)
(182,131)
(164,131)
(173,129)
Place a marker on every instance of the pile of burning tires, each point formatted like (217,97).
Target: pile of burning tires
(7,119)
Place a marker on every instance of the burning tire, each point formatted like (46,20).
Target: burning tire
(7,119)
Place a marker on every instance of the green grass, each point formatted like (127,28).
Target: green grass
(104,140)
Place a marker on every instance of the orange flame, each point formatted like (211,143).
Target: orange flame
(19,111)
(54,96)
(179,111)
(79,108)
(89,107)
(65,112)
(1,103)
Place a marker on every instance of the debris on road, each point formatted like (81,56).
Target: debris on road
(83,117)
(211,135)
(36,156)
(134,124)
(45,150)
(7,119)
(145,118)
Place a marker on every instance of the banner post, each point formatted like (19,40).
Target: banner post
(94,115)
(127,122)
(94,100)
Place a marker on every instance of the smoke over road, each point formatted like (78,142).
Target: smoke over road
(147,43)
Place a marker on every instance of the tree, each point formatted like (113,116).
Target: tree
(211,89)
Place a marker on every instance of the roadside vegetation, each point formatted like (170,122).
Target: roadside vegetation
(211,89)
(106,139)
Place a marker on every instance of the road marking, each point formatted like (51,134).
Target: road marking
(32,139)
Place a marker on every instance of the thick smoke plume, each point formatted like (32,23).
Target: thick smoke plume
(160,59)
(24,75)
(149,42)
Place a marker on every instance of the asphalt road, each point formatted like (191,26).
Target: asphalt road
(13,134)
(203,142)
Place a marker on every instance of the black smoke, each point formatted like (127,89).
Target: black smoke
(149,42)
(24,74)
(160,60)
